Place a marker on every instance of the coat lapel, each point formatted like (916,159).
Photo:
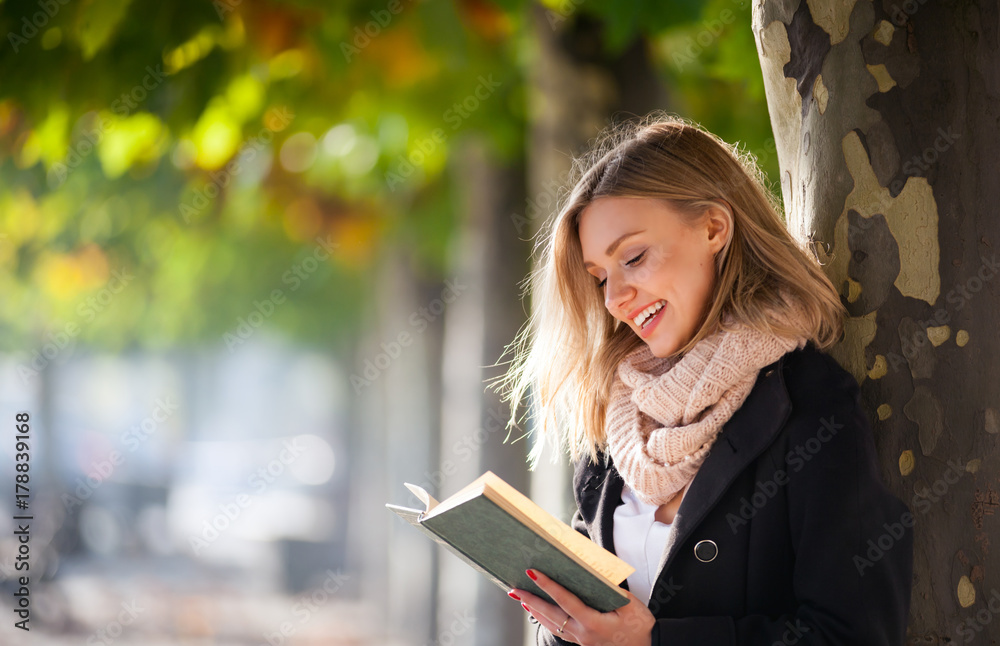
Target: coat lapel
(611,497)
(745,436)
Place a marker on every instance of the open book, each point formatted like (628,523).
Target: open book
(501,533)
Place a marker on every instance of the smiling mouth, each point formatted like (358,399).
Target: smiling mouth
(647,314)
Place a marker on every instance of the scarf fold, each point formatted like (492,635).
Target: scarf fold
(665,413)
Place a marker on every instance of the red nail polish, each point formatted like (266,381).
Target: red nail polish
(525,608)
(534,577)
(513,596)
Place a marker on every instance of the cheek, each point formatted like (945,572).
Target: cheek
(707,279)
(706,291)
(695,290)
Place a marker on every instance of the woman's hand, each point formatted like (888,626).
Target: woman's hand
(630,625)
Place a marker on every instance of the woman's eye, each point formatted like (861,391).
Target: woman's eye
(630,263)
(636,259)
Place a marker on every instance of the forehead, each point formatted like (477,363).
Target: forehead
(606,216)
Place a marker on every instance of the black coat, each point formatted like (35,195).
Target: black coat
(808,546)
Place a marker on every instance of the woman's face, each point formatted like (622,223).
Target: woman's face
(657,273)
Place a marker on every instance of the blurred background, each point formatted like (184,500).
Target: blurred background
(258,260)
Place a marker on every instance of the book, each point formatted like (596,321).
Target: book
(500,532)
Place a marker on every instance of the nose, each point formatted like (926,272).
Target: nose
(617,292)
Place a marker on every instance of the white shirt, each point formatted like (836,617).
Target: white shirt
(639,541)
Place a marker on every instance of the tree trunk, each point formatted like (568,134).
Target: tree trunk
(885,117)
(489,262)
(396,390)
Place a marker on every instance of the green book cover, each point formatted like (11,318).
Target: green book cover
(502,544)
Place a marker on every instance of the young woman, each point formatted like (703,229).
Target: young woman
(675,352)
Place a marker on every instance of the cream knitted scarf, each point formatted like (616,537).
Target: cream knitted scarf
(665,413)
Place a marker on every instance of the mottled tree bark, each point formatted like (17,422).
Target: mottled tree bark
(885,116)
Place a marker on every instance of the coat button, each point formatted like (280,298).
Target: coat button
(706,551)
(768,373)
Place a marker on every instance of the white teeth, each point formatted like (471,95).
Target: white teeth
(645,314)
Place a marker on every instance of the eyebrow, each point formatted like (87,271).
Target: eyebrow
(614,245)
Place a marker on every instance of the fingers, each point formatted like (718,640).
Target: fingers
(539,608)
(551,617)
(560,618)
(562,629)
(572,620)
(566,600)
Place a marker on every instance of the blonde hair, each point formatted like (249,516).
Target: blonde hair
(570,347)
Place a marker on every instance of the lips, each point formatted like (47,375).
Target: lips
(640,317)
(651,322)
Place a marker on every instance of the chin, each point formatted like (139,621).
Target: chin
(661,351)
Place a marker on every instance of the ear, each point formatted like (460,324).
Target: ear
(719,224)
